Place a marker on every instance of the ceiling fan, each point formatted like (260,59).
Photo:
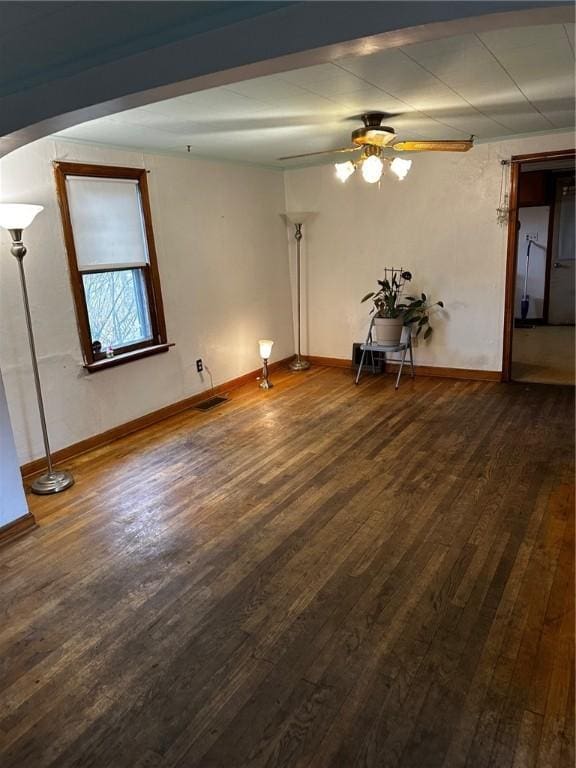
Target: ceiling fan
(372,139)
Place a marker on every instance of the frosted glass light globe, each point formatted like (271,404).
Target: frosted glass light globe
(344,170)
(265,348)
(18,215)
(372,169)
(400,167)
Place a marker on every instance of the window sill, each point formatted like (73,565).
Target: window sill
(126,357)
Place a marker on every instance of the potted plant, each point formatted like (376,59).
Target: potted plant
(393,311)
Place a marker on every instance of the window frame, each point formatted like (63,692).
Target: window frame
(158,342)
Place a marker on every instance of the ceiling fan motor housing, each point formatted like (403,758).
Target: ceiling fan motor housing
(373,132)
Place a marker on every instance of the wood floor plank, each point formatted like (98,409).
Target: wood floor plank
(320,576)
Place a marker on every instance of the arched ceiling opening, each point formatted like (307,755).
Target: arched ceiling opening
(64,64)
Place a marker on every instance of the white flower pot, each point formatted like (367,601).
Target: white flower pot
(388,330)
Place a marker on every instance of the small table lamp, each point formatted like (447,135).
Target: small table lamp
(15,217)
(265,352)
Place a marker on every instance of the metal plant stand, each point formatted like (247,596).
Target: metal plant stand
(372,346)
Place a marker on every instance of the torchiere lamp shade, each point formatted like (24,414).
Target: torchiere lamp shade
(18,215)
(298,217)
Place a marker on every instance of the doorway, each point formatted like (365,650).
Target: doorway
(540,296)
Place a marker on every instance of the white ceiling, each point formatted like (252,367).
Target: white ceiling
(494,84)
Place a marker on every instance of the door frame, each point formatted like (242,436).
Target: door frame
(512,243)
(551,223)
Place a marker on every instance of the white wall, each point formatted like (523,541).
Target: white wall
(440,222)
(533,221)
(12,500)
(222,253)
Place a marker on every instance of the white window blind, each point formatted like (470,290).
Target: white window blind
(107,223)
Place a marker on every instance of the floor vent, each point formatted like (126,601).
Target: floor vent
(212,402)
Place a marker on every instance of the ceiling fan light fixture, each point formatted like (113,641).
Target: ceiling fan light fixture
(400,167)
(372,168)
(344,170)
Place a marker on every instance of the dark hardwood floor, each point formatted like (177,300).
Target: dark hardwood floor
(318,575)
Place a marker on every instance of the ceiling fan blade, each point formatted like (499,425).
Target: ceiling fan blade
(434,146)
(325,152)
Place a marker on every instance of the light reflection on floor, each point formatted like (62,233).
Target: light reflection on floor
(544,354)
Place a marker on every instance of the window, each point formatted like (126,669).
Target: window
(113,270)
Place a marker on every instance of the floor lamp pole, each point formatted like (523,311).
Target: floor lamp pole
(52,481)
(298,364)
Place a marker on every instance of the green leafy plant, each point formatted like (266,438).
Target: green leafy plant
(386,299)
(416,313)
(389,303)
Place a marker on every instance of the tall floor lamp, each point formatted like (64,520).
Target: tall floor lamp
(15,217)
(297,219)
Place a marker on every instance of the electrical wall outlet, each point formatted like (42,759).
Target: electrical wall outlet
(199,365)
(532,236)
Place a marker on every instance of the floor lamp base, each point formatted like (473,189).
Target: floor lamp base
(298,364)
(52,482)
